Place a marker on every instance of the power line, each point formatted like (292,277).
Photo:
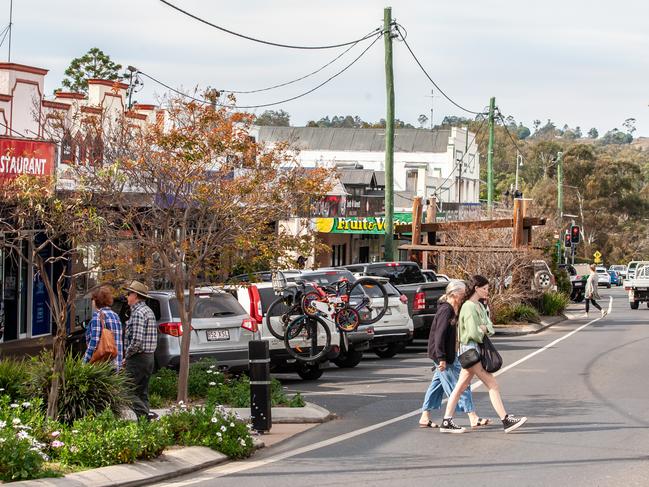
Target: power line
(4,33)
(403,38)
(500,115)
(297,79)
(207,102)
(254,39)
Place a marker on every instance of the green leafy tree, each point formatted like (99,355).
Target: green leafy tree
(94,64)
(274,118)
(522,132)
(593,133)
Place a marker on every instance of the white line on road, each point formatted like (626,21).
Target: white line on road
(248,465)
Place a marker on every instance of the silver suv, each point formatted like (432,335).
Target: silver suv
(220,328)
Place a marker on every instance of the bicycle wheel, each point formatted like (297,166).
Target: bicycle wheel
(307,303)
(347,319)
(277,318)
(307,338)
(370,300)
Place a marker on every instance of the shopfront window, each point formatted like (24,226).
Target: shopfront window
(338,255)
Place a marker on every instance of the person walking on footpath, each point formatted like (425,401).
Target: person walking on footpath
(102,300)
(473,325)
(141,336)
(443,351)
(591,292)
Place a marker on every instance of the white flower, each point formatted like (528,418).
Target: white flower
(22,435)
(16,421)
(214,420)
(56,434)
(27,404)
(2,440)
(212,384)
(14,405)
(209,371)
(231,425)
(218,433)
(75,431)
(243,442)
(212,366)
(180,403)
(57,444)
(249,426)
(74,449)
(223,428)
(2,389)
(3,424)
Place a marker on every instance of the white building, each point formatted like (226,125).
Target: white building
(426,163)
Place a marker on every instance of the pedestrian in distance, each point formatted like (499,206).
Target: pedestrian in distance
(141,335)
(473,325)
(104,317)
(443,351)
(591,292)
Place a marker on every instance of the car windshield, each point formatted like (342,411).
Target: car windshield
(210,306)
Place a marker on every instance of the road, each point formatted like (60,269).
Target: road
(583,385)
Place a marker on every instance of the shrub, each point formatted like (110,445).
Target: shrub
(164,384)
(22,453)
(13,375)
(553,303)
(201,374)
(89,389)
(95,442)
(516,312)
(236,393)
(210,426)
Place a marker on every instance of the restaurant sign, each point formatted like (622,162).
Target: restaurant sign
(24,156)
(374,225)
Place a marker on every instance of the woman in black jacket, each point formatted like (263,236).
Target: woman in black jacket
(442,350)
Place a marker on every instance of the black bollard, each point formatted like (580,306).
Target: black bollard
(260,412)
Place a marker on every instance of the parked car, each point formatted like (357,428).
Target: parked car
(633,266)
(638,287)
(578,276)
(221,328)
(604,277)
(620,269)
(616,278)
(432,276)
(409,280)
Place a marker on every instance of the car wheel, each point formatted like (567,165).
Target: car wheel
(608,286)
(634,304)
(309,371)
(387,351)
(348,360)
(543,280)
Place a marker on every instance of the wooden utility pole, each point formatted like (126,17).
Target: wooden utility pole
(417,210)
(430,239)
(389,136)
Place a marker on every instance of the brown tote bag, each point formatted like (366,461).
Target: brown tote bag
(106,349)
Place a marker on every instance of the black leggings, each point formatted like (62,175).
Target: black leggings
(591,300)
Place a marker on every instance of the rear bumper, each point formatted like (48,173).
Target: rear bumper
(383,337)
(422,324)
(235,360)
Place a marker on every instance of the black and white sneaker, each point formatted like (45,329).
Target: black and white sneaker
(510,423)
(448,426)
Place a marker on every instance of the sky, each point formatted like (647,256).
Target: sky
(577,62)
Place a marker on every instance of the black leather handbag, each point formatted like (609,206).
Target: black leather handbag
(469,358)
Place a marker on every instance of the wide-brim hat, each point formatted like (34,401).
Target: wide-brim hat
(138,288)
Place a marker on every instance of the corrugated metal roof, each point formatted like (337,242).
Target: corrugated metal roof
(371,140)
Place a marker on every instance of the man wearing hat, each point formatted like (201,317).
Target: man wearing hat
(141,337)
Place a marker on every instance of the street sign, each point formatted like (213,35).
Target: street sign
(598,257)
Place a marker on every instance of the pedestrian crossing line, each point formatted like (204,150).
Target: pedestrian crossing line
(239,467)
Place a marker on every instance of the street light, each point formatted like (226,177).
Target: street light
(519,163)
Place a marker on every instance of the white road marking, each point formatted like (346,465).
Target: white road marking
(233,468)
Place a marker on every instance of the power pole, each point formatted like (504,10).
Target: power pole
(560,184)
(490,156)
(11,23)
(389,136)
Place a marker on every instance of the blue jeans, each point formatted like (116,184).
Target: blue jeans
(443,383)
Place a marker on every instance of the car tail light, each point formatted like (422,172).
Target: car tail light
(419,302)
(403,298)
(250,324)
(370,330)
(392,264)
(174,329)
(255,304)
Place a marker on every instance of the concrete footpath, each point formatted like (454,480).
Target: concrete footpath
(287,422)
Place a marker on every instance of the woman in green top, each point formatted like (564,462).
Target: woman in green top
(473,324)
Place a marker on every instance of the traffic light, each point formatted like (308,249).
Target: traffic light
(575,234)
(566,240)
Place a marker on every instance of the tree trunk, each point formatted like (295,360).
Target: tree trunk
(185,304)
(58,374)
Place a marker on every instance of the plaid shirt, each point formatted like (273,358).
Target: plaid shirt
(93,333)
(141,330)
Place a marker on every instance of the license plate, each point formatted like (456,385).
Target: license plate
(641,289)
(218,335)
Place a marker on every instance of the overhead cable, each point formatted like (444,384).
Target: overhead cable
(403,38)
(208,102)
(511,137)
(254,39)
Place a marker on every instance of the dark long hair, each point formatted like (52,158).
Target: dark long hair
(476,281)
